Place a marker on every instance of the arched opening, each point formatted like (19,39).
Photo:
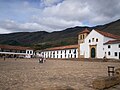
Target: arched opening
(93,52)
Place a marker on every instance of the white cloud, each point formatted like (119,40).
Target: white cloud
(50,2)
(4,31)
(10,25)
(62,14)
(69,10)
(95,12)
(56,23)
(40,24)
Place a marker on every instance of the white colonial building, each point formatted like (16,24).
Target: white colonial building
(15,51)
(112,49)
(70,51)
(98,44)
(91,44)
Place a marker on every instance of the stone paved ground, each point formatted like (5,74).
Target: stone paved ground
(28,74)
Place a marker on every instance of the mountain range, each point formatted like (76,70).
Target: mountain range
(43,39)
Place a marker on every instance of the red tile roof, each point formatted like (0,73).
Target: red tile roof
(63,47)
(106,34)
(112,41)
(15,47)
(85,31)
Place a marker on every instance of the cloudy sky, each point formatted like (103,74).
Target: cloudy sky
(54,15)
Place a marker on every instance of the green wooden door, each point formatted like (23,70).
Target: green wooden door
(93,53)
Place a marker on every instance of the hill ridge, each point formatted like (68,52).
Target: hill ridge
(44,39)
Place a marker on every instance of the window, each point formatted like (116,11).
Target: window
(83,36)
(74,51)
(115,53)
(50,54)
(108,53)
(92,39)
(69,51)
(65,51)
(53,54)
(97,40)
(61,52)
(75,55)
(61,56)
(27,52)
(80,36)
(109,46)
(89,40)
(30,52)
(65,55)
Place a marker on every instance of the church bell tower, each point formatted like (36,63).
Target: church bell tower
(81,38)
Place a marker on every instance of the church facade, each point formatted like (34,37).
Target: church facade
(98,44)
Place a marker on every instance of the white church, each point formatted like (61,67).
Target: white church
(91,44)
(98,44)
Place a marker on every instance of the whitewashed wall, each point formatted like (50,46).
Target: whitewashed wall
(113,48)
(29,53)
(106,39)
(70,53)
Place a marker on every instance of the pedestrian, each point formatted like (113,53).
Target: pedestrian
(41,60)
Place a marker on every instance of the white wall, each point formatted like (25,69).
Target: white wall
(106,39)
(113,48)
(29,53)
(61,53)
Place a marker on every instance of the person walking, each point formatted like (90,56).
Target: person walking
(41,58)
